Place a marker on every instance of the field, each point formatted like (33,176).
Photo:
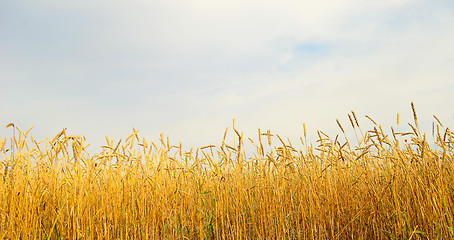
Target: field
(395,186)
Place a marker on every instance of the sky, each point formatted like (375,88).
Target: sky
(188,68)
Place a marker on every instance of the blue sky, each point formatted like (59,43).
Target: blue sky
(187,68)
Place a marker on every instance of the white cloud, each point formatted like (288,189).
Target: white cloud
(189,67)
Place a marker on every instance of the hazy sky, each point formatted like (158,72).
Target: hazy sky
(187,68)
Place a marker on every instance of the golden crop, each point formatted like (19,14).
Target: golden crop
(385,187)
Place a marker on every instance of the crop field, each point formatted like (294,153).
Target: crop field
(385,186)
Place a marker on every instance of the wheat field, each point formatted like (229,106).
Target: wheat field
(395,186)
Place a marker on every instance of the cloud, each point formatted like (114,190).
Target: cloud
(188,68)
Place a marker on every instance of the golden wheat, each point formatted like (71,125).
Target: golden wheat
(133,189)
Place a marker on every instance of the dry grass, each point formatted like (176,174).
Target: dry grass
(385,187)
